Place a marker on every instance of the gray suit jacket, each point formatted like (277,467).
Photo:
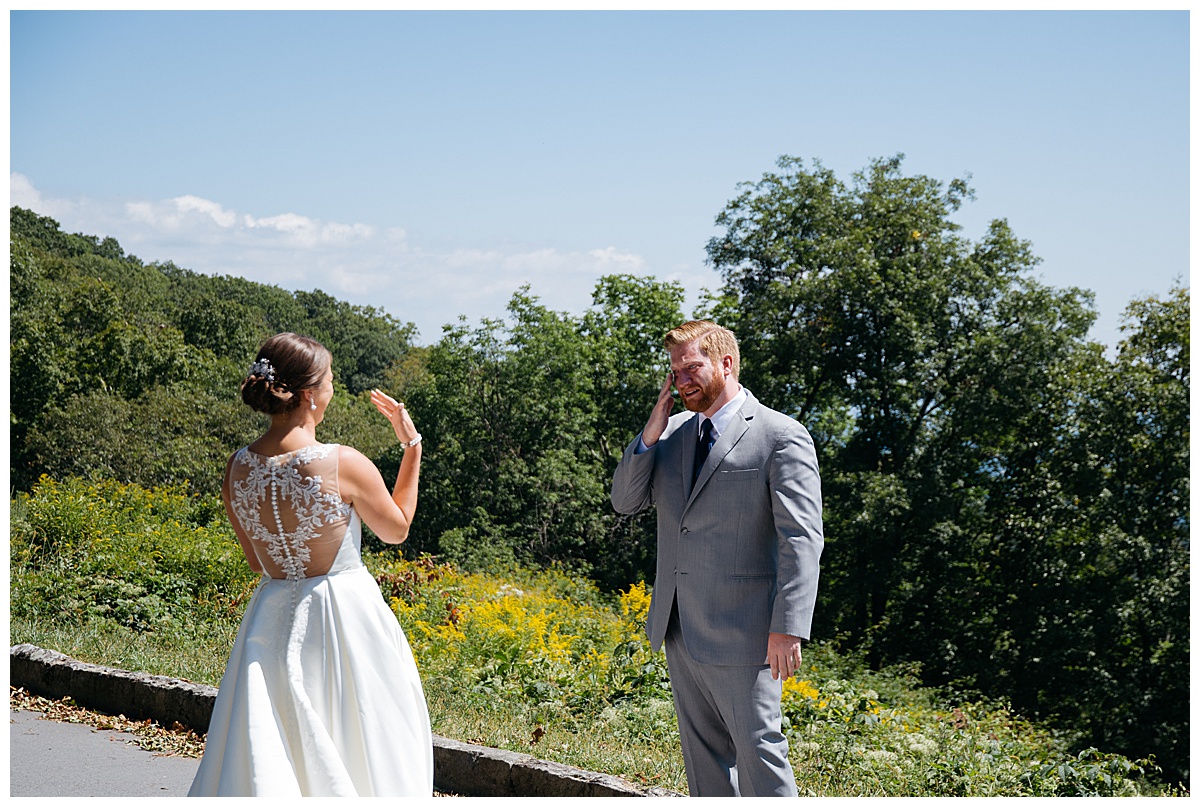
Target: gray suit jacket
(740,551)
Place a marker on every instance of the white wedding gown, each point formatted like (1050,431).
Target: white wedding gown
(321,695)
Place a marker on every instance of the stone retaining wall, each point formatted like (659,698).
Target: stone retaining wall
(471,770)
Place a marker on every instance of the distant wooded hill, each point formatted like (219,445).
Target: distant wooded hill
(130,370)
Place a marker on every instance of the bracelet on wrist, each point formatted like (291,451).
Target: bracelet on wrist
(413,441)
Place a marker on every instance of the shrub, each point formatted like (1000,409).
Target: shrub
(143,558)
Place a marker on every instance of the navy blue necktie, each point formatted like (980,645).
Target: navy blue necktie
(703,446)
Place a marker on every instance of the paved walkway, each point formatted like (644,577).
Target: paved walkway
(49,758)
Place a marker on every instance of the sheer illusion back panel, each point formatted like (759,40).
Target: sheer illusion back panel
(290,507)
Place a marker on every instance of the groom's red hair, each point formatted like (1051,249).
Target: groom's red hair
(715,342)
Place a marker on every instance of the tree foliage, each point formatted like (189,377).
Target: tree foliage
(525,420)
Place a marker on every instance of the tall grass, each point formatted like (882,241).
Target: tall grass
(533,661)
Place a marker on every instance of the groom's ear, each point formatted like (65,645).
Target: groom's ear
(727,365)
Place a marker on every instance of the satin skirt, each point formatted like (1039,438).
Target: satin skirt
(321,697)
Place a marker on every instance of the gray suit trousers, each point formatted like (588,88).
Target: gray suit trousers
(729,725)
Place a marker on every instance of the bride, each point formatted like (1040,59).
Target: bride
(321,696)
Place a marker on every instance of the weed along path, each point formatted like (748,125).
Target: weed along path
(80,752)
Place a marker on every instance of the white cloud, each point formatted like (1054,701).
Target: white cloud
(22,193)
(359,263)
(182,214)
(188,204)
(619,261)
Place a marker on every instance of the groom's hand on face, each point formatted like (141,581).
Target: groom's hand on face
(657,424)
(783,654)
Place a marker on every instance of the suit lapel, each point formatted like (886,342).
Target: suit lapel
(725,443)
(690,430)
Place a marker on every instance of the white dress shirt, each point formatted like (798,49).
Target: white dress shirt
(724,415)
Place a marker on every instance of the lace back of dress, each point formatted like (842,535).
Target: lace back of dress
(290,507)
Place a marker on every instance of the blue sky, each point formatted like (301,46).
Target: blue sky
(429,163)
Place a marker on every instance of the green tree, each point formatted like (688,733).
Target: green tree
(905,348)
(167,435)
(365,341)
(624,330)
(1080,588)
(1123,474)
(40,369)
(524,421)
(508,418)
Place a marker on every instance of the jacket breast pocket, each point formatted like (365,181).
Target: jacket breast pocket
(737,475)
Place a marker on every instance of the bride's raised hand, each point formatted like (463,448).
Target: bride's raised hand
(397,415)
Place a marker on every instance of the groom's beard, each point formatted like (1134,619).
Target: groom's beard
(708,394)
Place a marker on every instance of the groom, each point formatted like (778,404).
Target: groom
(739,540)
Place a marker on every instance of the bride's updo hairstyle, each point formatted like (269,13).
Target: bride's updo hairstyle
(286,365)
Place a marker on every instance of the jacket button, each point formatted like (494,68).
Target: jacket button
(685,529)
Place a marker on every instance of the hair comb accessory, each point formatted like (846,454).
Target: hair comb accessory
(263,368)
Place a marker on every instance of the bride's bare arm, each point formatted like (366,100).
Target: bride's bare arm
(388,515)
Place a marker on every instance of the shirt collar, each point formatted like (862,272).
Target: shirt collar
(725,415)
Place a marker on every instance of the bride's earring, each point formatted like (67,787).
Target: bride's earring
(312,404)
